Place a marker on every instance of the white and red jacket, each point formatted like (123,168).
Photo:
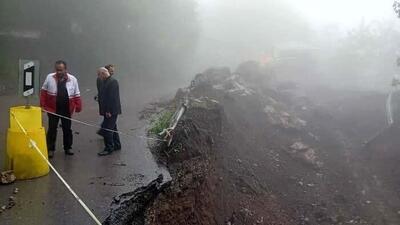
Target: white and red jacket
(48,94)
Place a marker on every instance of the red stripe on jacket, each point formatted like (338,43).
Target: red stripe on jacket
(48,94)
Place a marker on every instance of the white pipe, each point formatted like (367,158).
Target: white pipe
(389,112)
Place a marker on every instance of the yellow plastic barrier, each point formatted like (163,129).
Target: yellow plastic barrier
(21,157)
(30,118)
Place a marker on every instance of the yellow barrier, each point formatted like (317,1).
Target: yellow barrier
(21,157)
(30,118)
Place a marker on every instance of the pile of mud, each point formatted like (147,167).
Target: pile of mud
(247,151)
(203,189)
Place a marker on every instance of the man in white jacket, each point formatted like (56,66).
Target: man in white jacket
(60,95)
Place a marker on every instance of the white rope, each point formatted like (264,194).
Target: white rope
(33,143)
(99,127)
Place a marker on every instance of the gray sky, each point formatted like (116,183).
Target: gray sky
(346,13)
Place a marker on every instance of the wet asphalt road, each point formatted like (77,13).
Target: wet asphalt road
(95,179)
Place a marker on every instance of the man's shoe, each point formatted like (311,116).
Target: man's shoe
(50,154)
(117,148)
(104,153)
(69,152)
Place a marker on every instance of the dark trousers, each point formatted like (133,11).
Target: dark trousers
(101,131)
(52,132)
(111,139)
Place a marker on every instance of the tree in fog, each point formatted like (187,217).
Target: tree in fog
(143,37)
(240,30)
(365,57)
(396,7)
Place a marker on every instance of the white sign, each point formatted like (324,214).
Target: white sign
(28,78)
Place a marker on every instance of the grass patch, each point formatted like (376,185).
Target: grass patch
(161,123)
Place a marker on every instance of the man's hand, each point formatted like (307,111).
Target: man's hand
(108,115)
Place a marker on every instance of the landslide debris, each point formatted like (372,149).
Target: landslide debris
(212,181)
(129,208)
(248,151)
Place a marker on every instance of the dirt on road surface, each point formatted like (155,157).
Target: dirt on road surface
(247,152)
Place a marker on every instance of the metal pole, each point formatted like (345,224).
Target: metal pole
(27,104)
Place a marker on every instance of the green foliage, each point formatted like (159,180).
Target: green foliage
(162,122)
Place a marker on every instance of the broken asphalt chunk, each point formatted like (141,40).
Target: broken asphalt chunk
(7,177)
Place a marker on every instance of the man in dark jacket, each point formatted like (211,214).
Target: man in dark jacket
(99,82)
(110,108)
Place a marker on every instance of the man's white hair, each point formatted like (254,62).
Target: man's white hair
(104,70)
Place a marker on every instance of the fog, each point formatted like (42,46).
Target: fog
(351,43)
(344,13)
(170,41)
(295,120)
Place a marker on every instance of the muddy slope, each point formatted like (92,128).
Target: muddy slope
(205,188)
(246,152)
(275,159)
